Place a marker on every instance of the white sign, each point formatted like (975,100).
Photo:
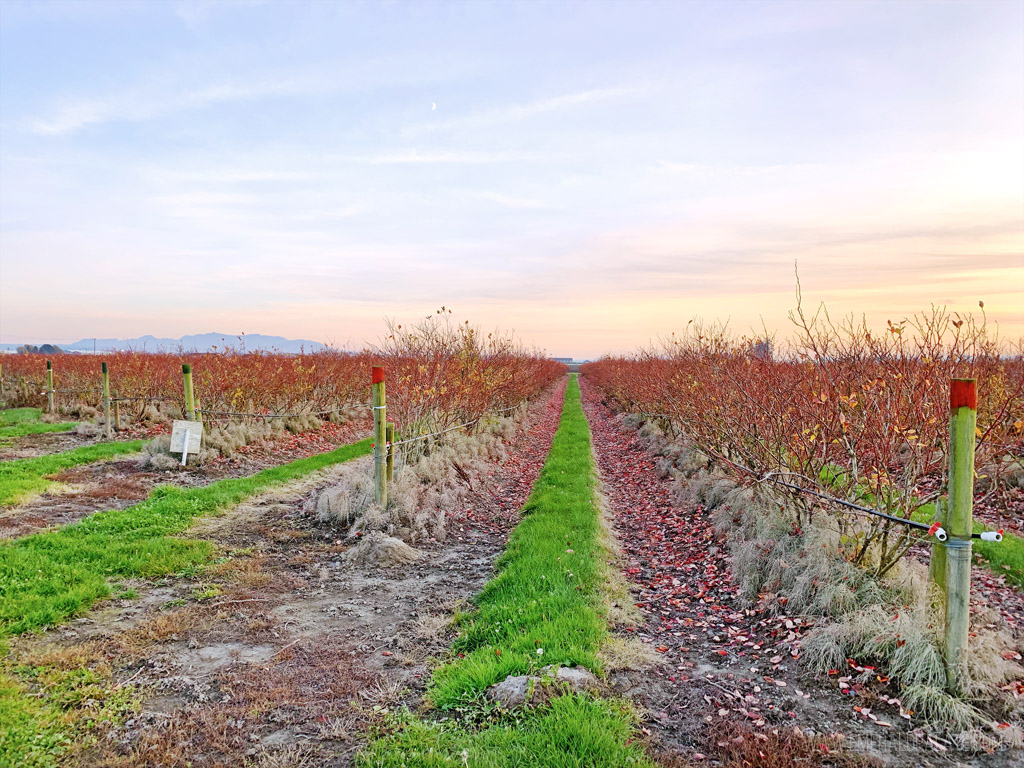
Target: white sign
(186,438)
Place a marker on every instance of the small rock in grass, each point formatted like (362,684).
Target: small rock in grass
(519,690)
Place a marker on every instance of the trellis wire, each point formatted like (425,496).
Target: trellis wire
(452,429)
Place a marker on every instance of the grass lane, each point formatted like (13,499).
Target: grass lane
(544,606)
(48,577)
(23,477)
(18,422)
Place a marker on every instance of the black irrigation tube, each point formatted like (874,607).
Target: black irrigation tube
(761,478)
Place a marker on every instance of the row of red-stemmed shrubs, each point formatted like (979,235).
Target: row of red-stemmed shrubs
(839,408)
(438,374)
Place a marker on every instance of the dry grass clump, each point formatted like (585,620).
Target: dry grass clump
(160,413)
(163,626)
(156,454)
(68,658)
(74,412)
(379,549)
(433,480)
(772,559)
(908,640)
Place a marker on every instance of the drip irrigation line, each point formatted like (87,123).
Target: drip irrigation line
(772,477)
(769,477)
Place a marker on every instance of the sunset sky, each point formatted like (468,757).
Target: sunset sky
(590,175)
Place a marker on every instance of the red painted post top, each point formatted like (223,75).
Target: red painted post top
(378,374)
(963,392)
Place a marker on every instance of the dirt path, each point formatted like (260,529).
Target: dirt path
(283,653)
(720,660)
(117,484)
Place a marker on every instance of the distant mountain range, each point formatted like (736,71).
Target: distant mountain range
(202,342)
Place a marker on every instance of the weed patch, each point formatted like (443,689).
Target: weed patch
(19,422)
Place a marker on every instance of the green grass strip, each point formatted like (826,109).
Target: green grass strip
(48,577)
(568,732)
(22,477)
(1004,558)
(18,422)
(10,416)
(543,607)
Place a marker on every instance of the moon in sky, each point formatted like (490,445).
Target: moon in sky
(433,106)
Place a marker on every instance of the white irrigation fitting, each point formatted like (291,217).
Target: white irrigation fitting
(941,534)
(991,535)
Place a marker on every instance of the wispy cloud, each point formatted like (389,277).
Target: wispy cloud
(507,201)
(435,157)
(512,113)
(147,103)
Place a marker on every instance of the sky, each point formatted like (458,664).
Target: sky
(589,175)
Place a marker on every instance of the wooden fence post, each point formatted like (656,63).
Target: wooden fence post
(389,433)
(190,401)
(49,386)
(380,479)
(117,415)
(107,428)
(963,404)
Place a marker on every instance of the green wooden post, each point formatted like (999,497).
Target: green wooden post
(380,478)
(389,433)
(937,563)
(117,414)
(107,428)
(963,405)
(24,391)
(190,401)
(49,386)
